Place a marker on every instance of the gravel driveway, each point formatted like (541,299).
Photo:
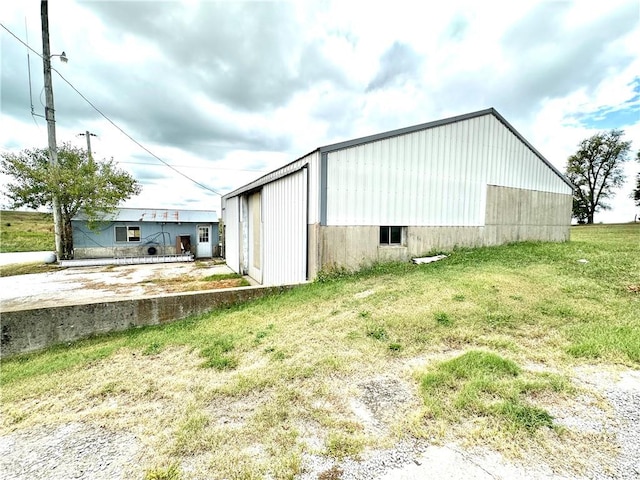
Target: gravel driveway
(83,451)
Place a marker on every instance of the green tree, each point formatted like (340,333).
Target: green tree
(80,183)
(596,170)
(579,210)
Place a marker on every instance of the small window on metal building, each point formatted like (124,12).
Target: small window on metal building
(130,233)
(391,235)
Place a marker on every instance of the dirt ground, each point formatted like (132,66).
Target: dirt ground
(80,285)
(85,449)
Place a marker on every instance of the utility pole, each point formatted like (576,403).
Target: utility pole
(49,113)
(88,135)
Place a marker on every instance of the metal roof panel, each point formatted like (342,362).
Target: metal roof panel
(160,215)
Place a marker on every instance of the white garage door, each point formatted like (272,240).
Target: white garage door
(232,233)
(284,209)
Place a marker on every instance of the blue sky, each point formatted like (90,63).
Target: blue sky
(611,117)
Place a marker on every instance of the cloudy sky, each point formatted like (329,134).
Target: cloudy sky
(226,91)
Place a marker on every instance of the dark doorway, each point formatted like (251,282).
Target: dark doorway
(183,244)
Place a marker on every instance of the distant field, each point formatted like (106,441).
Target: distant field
(25,232)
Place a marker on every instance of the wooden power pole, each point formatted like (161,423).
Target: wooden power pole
(49,112)
(88,134)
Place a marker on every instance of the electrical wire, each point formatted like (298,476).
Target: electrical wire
(33,113)
(112,122)
(133,139)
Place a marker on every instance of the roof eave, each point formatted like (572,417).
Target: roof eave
(258,182)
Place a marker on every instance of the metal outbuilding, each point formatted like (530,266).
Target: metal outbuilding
(469,180)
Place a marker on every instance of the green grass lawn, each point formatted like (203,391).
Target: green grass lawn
(485,340)
(26,232)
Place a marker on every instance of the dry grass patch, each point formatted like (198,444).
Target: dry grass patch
(27,269)
(483,384)
(488,403)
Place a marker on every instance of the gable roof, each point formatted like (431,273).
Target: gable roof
(141,215)
(269,177)
(439,123)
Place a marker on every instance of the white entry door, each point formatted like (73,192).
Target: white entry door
(203,247)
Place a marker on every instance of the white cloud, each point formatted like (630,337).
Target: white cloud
(251,86)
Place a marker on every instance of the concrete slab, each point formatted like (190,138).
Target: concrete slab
(82,285)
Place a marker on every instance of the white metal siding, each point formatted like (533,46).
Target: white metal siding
(284,221)
(284,208)
(232,233)
(512,164)
(436,176)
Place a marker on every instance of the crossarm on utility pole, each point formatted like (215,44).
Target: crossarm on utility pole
(88,134)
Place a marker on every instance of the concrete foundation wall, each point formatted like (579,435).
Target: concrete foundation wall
(514,215)
(348,247)
(511,215)
(357,247)
(138,251)
(313,250)
(422,240)
(29,330)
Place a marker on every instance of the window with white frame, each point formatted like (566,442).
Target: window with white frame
(203,234)
(391,235)
(129,233)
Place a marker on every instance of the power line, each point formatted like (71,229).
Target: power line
(33,113)
(111,121)
(133,139)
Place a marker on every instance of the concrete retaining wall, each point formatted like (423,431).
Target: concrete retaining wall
(34,329)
